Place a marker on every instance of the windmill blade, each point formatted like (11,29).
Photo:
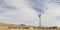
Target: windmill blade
(39,15)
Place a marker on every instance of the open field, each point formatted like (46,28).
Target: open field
(4,26)
(29,29)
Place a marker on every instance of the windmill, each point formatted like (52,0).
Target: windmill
(39,15)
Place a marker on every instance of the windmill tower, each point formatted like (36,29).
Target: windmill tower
(39,15)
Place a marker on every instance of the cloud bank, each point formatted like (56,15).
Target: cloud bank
(26,12)
(18,13)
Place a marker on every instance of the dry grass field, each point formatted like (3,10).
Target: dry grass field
(29,29)
(4,26)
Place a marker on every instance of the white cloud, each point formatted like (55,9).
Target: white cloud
(52,11)
(23,14)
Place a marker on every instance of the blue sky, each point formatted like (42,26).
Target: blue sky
(26,12)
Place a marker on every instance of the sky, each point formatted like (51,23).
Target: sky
(26,12)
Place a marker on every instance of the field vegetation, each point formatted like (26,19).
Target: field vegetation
(25,27)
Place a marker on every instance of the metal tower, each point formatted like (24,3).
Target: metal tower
(39,15)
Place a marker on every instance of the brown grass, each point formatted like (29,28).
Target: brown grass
(18,27)
(29,29)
